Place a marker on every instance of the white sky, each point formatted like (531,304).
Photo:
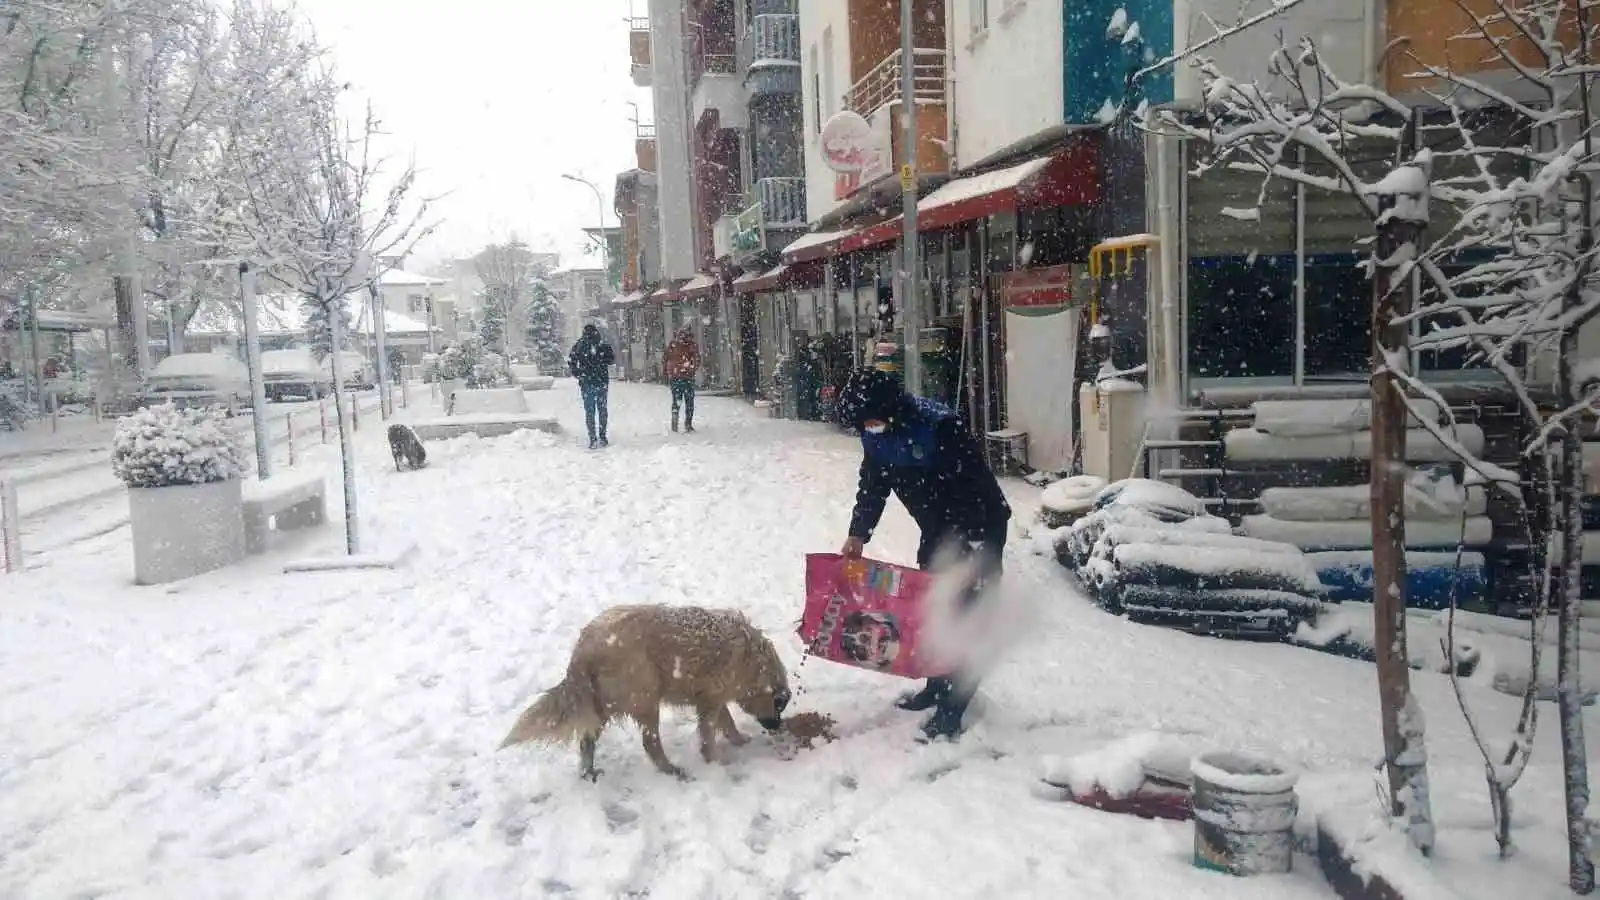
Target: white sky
(496,99)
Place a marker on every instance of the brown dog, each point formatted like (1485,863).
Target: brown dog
(631,659)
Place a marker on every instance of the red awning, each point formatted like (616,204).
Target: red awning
(816,245)
(1068,177)
(701,285)
(884,232)
(666,293)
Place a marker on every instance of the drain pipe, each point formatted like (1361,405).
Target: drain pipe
(950,127)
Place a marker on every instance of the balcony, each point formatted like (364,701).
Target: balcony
(881,85)
(769,54)
(639,49)
(773,205)
(715,77)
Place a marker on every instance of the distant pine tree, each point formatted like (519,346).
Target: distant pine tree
(545,328)
(319,332)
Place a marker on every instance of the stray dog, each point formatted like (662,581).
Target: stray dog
(406,447)
(631,659)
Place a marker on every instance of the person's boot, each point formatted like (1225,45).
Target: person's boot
(931,695)
(945,721)
(593,443)
(674,423)
(688,426)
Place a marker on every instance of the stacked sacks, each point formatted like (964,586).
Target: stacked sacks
(1150,550)
(1066,501)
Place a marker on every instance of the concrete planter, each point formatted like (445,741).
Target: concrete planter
(184,530)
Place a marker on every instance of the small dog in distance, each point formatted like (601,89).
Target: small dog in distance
(407,448)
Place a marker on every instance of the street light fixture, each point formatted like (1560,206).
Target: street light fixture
(600,205)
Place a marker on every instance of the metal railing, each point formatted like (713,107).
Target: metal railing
(771,39)
(644,131)
(638,23)
(881,85)
(783,202)
(719,64)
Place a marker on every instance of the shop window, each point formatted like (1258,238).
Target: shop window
(1338,311)
(1056,236)
(1240,300)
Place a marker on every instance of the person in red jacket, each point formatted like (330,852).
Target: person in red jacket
(683,364)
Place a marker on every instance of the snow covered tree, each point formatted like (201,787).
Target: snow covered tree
(508,272)
(319,328)
(546,328)
(1502,175)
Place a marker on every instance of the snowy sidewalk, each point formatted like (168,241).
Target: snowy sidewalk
(254,734)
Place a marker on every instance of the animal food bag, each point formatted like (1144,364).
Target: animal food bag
(865,613)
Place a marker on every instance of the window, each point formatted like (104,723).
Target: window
(1241,284)
(816,92)
(417,303)
(830,98)
(1337,292)
(980,16)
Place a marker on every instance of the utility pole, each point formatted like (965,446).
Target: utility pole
(1403,217)
(910,304)
(352,531)
(380,337)
(252,355)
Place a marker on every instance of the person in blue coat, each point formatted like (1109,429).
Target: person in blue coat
(590,362)
(924,454)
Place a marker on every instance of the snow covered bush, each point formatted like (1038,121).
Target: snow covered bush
(458,360)
(490,370)
(162,446)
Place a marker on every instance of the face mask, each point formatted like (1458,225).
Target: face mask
(876,429)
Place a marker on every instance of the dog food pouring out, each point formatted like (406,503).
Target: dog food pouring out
(630,660)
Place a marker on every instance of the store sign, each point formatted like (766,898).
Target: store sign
(747,229)
(862,151)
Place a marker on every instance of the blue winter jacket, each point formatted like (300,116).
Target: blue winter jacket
(935,466)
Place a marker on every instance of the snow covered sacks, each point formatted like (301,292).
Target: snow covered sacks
(865,613)
(1150,550)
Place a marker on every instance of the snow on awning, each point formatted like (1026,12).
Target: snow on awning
(1065,178)
(885,232)
(701,285)
(757,282)
(666,293)
(628,299)
(816,245)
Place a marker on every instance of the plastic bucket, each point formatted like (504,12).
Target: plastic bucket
(1244,812)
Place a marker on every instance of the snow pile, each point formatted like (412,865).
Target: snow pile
(1377,847)
(1310,418)
(1434,500)
(1255,445)
(1065,500)
(1121,767)
(162,446)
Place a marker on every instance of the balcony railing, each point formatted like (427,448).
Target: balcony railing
(773,39)
(783,202)
(881,85)
(644,131)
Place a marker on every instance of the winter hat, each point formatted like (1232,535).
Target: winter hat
(871,394)
(591,331)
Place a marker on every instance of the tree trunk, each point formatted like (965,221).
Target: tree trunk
(1569,688)
(1404,748)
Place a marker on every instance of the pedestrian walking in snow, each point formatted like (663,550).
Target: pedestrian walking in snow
(682,365)
(590,363)
(923,453)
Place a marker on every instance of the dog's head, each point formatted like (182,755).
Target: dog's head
(768,692)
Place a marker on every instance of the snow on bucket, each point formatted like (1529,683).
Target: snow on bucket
(1244,812)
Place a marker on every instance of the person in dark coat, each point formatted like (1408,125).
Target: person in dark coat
(590,363)
(923,453)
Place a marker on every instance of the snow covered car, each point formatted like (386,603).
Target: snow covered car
(354,370)
(198,379)
(294,373)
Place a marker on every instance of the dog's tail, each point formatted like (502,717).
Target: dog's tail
(562,714)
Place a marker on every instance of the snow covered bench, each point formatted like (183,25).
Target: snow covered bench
(528,378)
(483,425)
(282,502)
(487,400)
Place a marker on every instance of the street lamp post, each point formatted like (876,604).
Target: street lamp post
(600,206)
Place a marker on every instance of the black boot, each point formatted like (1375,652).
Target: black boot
(934,693)
(945,721)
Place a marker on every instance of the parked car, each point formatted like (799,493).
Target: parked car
(198,379)
(294,373)
(354,368)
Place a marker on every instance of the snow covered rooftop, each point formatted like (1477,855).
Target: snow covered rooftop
(402,278)
(700,282)
(283,314)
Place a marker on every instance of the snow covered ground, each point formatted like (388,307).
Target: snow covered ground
(254,734)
